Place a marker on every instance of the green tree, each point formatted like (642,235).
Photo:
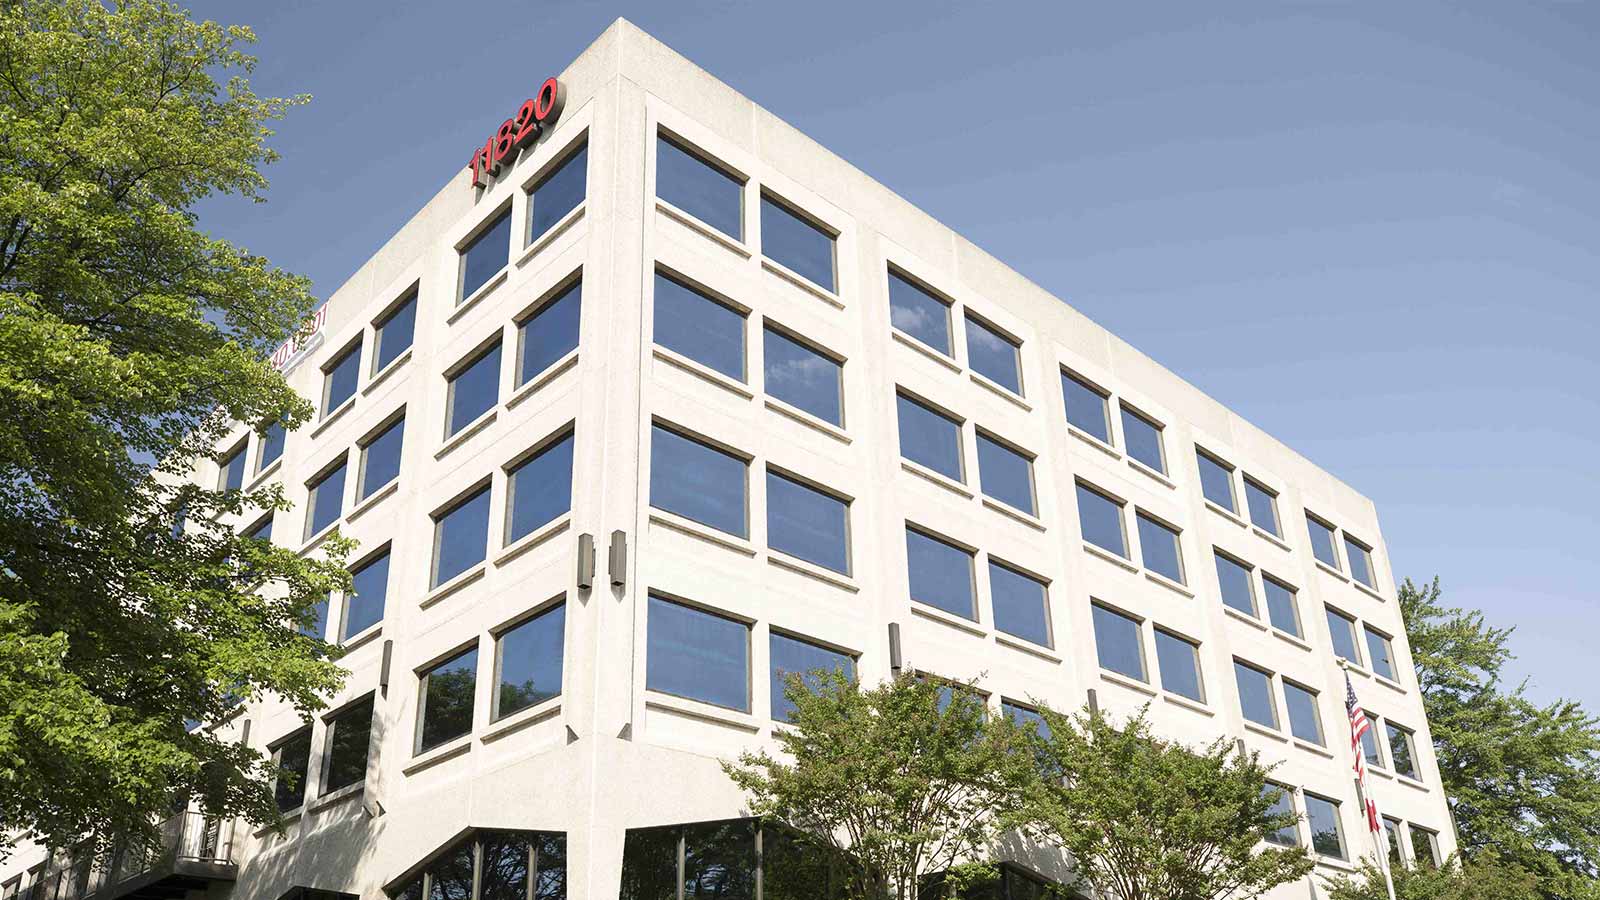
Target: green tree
(1487,879)
(1523,780)
(1145,818)
(901,782)
(129,340)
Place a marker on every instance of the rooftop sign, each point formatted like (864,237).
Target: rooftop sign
(520,131)
(290,353)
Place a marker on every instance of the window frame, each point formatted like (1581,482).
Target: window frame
(1368,633)
(774,634)
(1271,498)
(1276,724)
(701,609)
(330,722)
(239,453)
(745,460)
(993,562)
(396,419)
(275,754)
(1126,411)
(1126,553)
(481,487)
(1331,611)
(359,566)
(1137,622)
(1390,729)
(1314,521)
(769,326)
(664,133)
(409,297)
(561,291)
(1093,387)
(1321,740)
(498,635)
(767,194)
(940,412)
(1220,556)
(493,344)
(557,163)
(1194,650)
(490,221)
(424,673)
(1338,822)
(1368,563)
(350,352)
(1168,528)
(966,550)
(713,297)
(808,484)
(970,318)
(1267,578)
(895,271)
(1028,459)
(517,464)
(1202,455)
(341,465)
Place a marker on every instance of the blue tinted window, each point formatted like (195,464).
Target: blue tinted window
(1006,475)
(558,194)
(1216,482)
(695,654)
(1281,608)
(1117,644)
(1238,591)
(792,656)
(1179,660)
(1381,654)
(1025,717)
(380,459)
(1087,409)
(326,503)
(1305,722)
(1322,541)
(474,390)
(1342,631)
(339,379)
(941,574)
(1158,545)
(994,356)
(1327,837)
(270,445)
(798,245)
(1400,750)
(318,626)
(1283,805)
(1369,742)
(690,323)
(530,661)
(1020,604)
(1255,695)
(540,489)
(262,530)
(393,334)
(802,377)
(1263,505)
(928,438)
(461,537)
(369,589)
(697,482)
(1100,519)
(549,334)
(231,471)
(1143,440)
(447,700)
(1360,562)
(486,255)
(810,524)
(699,188)
(919,314)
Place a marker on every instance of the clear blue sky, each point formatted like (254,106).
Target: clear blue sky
(1373,230)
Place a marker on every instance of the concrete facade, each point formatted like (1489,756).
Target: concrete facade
(608,754)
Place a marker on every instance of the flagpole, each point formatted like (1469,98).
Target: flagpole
(1378,844)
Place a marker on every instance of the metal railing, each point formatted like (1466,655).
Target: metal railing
(188,836)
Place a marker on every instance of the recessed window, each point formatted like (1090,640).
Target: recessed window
(1322,541)
(1025,717)
(994,355)
(1263,506)
(318,626)
(705,191)
(550,334)
(928,438)
(269,445)
(1342,631)
(1255,694)
(1100,519)
(1021,604)
(528,661)
(793,656)
(802,377)
(1305,722)
(1087,407)
(369,590)
(1424,846)
(1179,660)
(1327,835)
(393,334)
(1005,474)
(230,473)
(339,379)
(261,530)
(448,691)
(485,255)
(1402,750)
(460,537)
(539,489)
(326,502)
(808,523)
(941,574)
(1238,589)
(796,242)
(698,655)
(917,312)
(292,758)
(348,746)
(380,459)
(690,322)
(697,481)
(1159,548)
(474,389)
(1142,439)
(1282,805)
(1216,481)
(1380,653)
(558,193)
(1360,561)
(1282,609)
(1117,643)
(1369,742)
(1391,832)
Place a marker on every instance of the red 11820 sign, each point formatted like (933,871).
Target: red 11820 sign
(515,133)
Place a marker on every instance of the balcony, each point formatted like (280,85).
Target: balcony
(194,852)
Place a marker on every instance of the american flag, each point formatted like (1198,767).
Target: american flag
(1359,723)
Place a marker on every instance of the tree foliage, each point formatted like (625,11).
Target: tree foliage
(1523,780)
(1487,879)
(129,340)
(1145,818)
